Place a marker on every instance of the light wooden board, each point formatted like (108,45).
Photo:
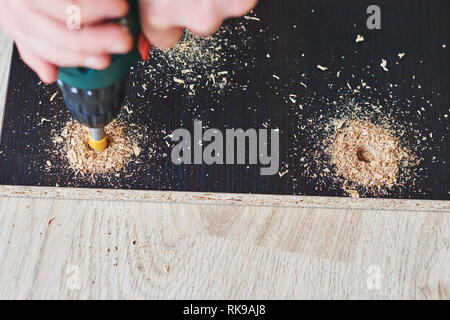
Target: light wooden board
(50,248)
(61,248)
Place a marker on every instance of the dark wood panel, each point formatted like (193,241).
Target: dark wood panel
(298,36)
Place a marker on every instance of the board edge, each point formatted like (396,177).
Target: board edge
(209,198)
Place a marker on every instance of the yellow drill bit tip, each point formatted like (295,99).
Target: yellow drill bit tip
(98,145)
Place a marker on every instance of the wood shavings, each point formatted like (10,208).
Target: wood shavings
(251,18)
(322,68)
(282,174)
(179,81)
(127,109)
(401,55)
(197,61)
(136,150)
(44,120)
(365,153)
(353,193)
(82,158)
(53,96)
(359,38)
(383,65)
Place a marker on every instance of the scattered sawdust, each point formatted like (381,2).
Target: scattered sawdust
(383,65)
(179,81)
(195,61)
(53,96)
(352,192)
(365,153)
(251,18)
(359,38)
(44,120)
(193,50)
(82,158)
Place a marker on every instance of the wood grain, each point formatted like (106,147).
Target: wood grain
(83,249)
(130,250)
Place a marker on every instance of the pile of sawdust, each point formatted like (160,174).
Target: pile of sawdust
(366,154)
(362,150)
(82,158)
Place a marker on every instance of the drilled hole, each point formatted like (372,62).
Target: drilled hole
(366,153)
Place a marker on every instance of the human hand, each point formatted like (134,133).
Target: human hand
(39,28)
(163,20)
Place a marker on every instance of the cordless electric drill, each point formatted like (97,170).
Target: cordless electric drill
(95,97)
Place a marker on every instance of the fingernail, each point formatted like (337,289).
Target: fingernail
(94,63)
(119,48)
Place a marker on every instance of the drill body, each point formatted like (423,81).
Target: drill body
(95,97)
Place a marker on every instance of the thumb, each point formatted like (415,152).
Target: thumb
(162,38)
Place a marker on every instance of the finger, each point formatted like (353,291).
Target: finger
(199,16)
(97,39)
(234,8)
(62,57)
(90,11)
(208,17)
(107,37)
(7,21)
(65,58)
(204,30)
(204,20)
(162,38)
(46,71)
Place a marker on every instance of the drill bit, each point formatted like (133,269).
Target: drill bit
(97,139)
